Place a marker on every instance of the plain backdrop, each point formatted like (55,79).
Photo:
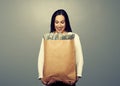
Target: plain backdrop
(23,23)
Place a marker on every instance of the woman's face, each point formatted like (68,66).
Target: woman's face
(60,23)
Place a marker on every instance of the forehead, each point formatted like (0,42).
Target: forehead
(59,17)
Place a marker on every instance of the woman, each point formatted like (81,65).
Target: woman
(60,24)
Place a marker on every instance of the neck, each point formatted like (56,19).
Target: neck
(60,32)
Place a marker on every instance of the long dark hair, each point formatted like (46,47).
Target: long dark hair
(60,12)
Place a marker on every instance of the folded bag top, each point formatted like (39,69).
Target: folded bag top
(59,59)
(59,36)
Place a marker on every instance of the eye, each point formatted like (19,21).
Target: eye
(56,22)
(62,22)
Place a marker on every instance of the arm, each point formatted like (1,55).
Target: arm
(79,56)
(41,60)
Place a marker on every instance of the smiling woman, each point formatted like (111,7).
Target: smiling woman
(60,23)
(55,67)
(60,19)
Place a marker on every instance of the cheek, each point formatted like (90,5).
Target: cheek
(64,26)
(55,25)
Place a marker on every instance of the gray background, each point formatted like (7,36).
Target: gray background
(23,22)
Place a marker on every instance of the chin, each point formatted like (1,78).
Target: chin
(60,31)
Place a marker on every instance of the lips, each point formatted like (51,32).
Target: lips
(60,29)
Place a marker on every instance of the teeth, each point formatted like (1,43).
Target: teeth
(59,28)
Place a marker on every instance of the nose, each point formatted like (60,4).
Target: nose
(59,25)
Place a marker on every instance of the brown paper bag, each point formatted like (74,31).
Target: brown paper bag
(59,61)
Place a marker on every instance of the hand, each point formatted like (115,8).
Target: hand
(78,77)
(51,81)
(45,83)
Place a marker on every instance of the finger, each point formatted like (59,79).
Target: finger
(51,81)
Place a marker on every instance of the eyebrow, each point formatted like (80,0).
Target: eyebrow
(62,20)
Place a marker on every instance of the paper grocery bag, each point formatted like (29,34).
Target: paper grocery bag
(59,61)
